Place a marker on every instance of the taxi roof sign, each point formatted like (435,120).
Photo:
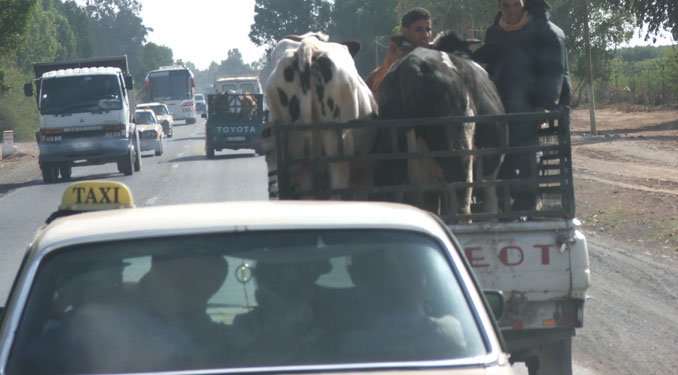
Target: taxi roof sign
(96,195)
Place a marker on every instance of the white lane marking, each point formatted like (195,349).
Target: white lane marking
(151,201)
(185,146)
(180,154)
(175,166)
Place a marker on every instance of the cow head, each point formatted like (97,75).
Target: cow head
(449,42)
(314,34)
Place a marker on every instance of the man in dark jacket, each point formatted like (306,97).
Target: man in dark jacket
(526,57)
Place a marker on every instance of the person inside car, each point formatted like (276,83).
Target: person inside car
(282,326)
(394,320)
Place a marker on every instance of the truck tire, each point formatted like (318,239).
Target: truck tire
(126,164)
(210,151)
(553,358)
(50,172)
(260,150)
(66,171)
(160,150)
(137,153)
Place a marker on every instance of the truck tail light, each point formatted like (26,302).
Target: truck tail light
(50,135)
(188,103)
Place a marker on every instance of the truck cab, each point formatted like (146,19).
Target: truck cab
(84,116)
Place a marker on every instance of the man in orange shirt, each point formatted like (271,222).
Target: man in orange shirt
(415,31)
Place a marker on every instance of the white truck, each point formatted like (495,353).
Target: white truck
(538,259)
(84,115)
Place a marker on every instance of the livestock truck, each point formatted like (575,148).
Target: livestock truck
(85,117)
(538,259)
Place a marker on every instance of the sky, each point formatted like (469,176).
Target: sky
(201,31)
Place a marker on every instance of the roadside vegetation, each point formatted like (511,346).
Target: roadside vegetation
(46,30)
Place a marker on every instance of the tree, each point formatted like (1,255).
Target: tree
(273,19)
(658,15)
(79,22)
(14,16)
(370,23)
(155,56)
(117,29)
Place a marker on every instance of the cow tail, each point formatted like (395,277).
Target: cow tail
(305,54)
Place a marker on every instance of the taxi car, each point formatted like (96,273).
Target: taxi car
(245,287)
(150,131)
(163,114)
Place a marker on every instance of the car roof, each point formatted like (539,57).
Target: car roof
(231,217)
(150,104)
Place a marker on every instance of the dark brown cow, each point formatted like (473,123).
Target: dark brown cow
(433,83)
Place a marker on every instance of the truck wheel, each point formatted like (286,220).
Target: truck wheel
(50,172)
(260,150)
(65,171)
(126,165)
(159,150)
(137,154)
(210,151)
(553,358)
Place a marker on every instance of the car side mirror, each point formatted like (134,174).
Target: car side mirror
(204,115)
(129,82)
(495,299)
(28,89)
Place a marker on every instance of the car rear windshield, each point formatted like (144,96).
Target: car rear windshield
(243,300)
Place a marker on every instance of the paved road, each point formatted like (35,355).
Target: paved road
(630,320)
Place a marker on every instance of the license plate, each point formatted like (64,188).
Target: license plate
(235,138)
(81,146)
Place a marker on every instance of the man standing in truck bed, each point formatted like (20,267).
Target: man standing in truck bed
(526,57)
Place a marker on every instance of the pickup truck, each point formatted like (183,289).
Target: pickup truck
(234,121)
(538,259)
(85,116)
(245,287)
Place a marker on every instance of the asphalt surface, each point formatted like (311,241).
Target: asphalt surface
(631,320)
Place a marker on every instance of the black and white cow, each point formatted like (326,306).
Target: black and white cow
(434,83)
(315,81)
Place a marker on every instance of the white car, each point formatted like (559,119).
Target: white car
(150,131)
(163,114)
(245,287)
(200,103)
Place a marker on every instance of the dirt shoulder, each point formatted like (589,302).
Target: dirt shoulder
(19,169)
(626,177)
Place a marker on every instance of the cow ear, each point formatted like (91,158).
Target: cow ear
(354,46)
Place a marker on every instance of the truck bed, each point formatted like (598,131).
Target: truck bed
(554,167)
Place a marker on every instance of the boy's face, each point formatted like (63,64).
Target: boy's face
(511,10)
(419,32)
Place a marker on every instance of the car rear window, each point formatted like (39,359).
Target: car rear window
(243,300)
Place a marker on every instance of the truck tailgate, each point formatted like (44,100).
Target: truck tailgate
(539,261)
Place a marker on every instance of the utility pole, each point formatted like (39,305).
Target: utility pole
(589,73)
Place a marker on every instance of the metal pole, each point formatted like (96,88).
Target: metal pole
(592,99)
